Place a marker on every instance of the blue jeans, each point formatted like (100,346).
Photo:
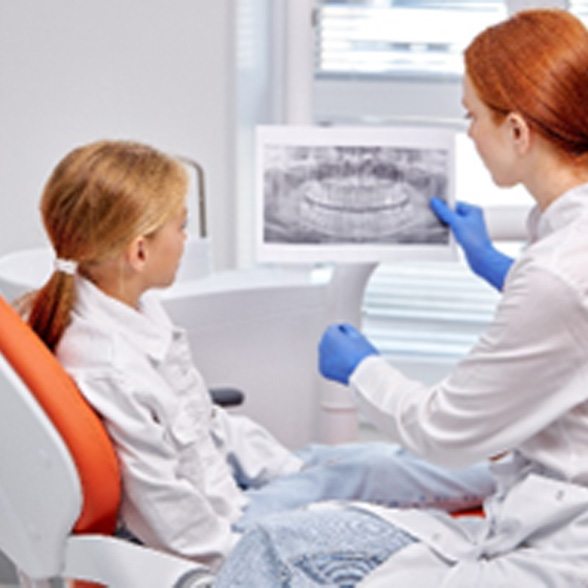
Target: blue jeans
(287,548)
(308,548)
(380,473)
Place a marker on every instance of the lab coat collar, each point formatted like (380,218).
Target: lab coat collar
(560,213)
(148,328)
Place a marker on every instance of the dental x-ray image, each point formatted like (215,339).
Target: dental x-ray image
(351,195)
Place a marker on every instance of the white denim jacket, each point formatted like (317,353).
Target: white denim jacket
(136,370)
(522,389)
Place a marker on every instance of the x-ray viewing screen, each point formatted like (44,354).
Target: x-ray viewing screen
(352,194)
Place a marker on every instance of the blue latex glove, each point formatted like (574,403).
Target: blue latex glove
(469,228)
(341,349)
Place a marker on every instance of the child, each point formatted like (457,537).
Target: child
(193,475)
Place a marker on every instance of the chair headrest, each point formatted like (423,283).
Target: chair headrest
(79,426)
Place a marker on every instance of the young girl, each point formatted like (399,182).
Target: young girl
(520,395)
(193,475)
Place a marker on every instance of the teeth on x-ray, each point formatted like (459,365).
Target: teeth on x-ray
(321,194)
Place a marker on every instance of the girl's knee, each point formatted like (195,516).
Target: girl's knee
(374,457)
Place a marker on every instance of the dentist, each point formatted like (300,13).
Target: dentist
(519,398)
(521,395)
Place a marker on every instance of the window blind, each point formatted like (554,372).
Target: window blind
(580,8)
(425,316)
(402,37)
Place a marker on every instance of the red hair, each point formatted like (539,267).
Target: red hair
(536,64)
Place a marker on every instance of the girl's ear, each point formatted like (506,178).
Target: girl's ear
(136,253)
(519,132)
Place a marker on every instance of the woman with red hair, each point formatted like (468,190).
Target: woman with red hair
(520,396)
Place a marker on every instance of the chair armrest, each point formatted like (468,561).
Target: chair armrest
(119,563)
(226,397)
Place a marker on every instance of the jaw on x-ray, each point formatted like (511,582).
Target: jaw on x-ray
(333,195)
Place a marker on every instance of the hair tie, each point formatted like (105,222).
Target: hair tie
(66,266)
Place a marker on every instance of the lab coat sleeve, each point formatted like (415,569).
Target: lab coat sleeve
(161,507)
(527,369)
(255,455)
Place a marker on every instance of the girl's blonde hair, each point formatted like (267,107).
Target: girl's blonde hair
(97,200)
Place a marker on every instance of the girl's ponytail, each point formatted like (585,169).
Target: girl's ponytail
(51,306)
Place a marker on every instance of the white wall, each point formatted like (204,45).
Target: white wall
(74,71)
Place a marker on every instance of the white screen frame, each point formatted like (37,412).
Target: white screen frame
(401,137)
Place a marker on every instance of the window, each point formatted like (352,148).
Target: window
(398,37)
(580,8)
(423,316)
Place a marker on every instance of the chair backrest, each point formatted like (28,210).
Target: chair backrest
(59,471)
(24,270)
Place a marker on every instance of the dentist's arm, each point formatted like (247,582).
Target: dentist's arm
(469,228)
(341,350)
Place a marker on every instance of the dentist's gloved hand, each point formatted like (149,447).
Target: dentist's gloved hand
(469,228)
(341,349)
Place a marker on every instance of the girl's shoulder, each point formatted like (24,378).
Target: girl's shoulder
(86,345)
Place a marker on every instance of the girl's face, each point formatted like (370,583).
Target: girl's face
(491,138)
(165,249)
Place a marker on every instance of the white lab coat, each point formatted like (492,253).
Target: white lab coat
(136,370)
(523,389)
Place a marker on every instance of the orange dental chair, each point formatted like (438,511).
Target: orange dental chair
(60,483)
